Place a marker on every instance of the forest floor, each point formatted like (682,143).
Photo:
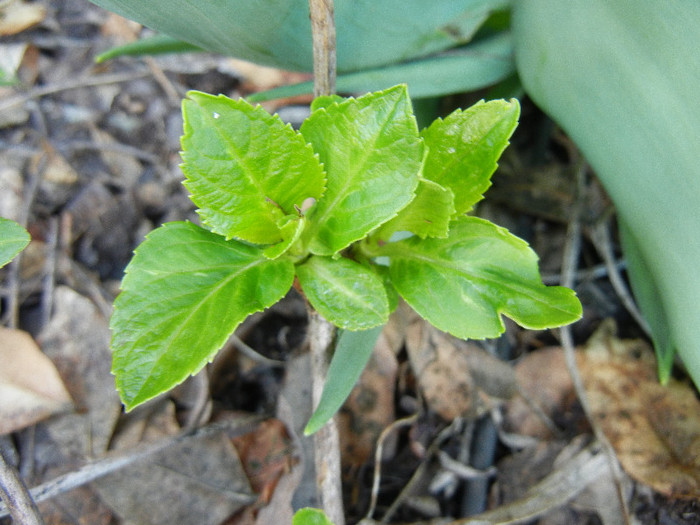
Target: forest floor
(89,163)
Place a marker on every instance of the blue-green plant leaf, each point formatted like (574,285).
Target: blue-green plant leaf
(621,78)
(346,293)
(352,351)
(464,283)
(372,154)
(464,147)
(153,45)
(13,239)
(245,168)
(278,32)
(184,293)
(475,66)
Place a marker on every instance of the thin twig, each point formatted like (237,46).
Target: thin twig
(323,38)
(572,250)
(379,452)
(97,469)
(326,440)
(73,84)
(253,354)
(49,280)
(14,493)
(321,332)
(600,235)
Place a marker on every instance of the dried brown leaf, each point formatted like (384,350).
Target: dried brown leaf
(30,386)
(266,456)
(655,429)
(442,371)
(545,380)
(16,16)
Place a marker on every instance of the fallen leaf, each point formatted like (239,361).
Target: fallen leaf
(265,455)
(77,340)
(458,378)
(545,380)
(655,429)
(198,481)
(442,371)
(30,386)
(16,16)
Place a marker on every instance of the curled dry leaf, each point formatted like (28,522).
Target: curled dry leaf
(458,378)
(544,380)
(442,371)
(654,428)
(30,388)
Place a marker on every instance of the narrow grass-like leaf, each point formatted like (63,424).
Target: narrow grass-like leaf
(466,68)
(428,214)
(464,283)
(184,293)
(346,293)
(245,168)
(464,147)
(13,239)
(372,155)
(352,352)
(154,45)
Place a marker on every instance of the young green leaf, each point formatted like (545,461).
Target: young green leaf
(245,168)
(463,283)
(184,293)
(352,352)
(428,214)
(464,147)
(309,516)
(290,229)
(372,155)
(13,239)
(346,293)
(324,101)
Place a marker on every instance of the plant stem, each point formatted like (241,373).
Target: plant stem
(323,39)
(321,332)
(14,493)
(326,441)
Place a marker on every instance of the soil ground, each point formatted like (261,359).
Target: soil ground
(89,162)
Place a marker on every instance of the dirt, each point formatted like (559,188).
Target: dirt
(90,164)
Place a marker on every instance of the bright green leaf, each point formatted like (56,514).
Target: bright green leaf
(463,284)
(464,147)
(13,239)
(346,293)
(324,101)
(309,516)
(291,230)
(184,293)
(372,155)
(428,214)
(352,352)
(245,168)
